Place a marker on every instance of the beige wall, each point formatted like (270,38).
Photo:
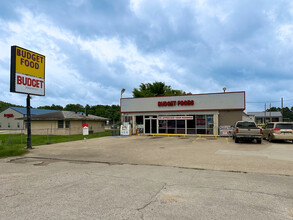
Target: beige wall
(14,123)
(229,117)
(51,127)
(96,126)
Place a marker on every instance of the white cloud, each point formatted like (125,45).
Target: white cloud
(39,34)
(193,45)
(285,33)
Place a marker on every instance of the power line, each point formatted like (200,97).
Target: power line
(264,102)
(287,100)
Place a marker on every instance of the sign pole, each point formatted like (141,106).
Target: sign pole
(28,113)
(27,76)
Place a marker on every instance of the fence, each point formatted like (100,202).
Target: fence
(47,136)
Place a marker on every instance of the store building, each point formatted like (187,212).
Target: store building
(66,123)
(264,117)
(186,114)
(10,117)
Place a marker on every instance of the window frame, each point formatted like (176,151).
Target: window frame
(67,124)
(59,124)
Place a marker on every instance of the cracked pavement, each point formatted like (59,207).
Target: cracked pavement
(67,184)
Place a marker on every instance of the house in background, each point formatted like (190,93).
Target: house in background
(66,123)
(10,117)
(264,117)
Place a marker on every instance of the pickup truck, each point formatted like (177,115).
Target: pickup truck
(246,130)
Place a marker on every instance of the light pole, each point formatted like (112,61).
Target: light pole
(122,91)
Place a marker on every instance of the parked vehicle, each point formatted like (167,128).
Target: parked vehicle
(278,131)
(247,131)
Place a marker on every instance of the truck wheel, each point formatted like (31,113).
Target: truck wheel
(259,141)
(236,140)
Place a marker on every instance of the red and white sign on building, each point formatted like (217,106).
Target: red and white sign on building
(175,117)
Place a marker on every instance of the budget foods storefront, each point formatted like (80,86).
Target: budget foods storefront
(187,114)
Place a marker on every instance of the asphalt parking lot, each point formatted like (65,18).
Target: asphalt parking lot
(200,153)
(149,178)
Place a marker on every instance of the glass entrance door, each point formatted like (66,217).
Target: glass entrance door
(150,125)
(154,126)
(147,126)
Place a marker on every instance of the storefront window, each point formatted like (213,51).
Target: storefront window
(180,126)
(200,124)
(162,126)
(139,124)
(210,125)
(128,119)
(139,120)
(191,125)
(171,126)
(197,124)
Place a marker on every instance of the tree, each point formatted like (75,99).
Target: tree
(5,105)
(74,108)
(52,107)
(112,112)
(155,89)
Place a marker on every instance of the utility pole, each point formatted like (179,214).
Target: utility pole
(282,102)
(270,112)
(264,120)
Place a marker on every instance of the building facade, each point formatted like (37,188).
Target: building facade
(264,117)
(10,118)
(66,123)
(186,114)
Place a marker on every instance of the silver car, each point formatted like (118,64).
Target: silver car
(278,131)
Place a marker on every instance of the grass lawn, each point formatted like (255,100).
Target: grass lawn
(15,144)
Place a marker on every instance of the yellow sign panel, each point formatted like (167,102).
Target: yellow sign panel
(29,63)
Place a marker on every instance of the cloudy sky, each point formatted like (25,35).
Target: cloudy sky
(95,48)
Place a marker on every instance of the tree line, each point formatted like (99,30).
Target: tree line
(112,112)
(5,105)
(144,90)
(287,112)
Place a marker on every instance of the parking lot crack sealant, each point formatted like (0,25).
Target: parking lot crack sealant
(153,199)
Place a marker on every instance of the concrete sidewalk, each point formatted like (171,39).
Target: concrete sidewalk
(211,154)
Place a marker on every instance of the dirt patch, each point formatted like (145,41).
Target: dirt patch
(290,212)
(171,198)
